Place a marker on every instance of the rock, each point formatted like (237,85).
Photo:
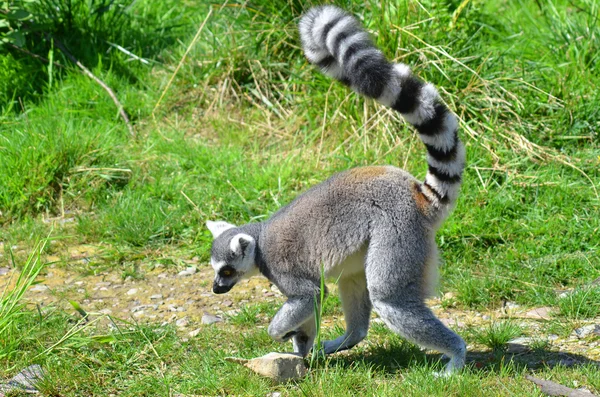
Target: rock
(188,272)
(39,288)
(584,332)
(156,297)
(132,291)
(519,345)
(280,367)
(182,322)
(555,389)
(194,333)
(227,303)
(209,319)
(4,270)
(24,381)
(140,308)
(539,313)
(511,305)
(275,289)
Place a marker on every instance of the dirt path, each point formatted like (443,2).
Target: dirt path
(182,296)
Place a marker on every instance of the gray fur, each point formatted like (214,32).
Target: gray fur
(371,228)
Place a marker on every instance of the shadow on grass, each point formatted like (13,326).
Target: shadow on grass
(398,355)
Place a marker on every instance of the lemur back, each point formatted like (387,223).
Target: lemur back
(371,228)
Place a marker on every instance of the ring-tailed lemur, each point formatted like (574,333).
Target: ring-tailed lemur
(372,228)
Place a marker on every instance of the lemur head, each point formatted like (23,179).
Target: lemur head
(232,255)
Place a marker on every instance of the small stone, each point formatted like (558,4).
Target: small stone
(156,297)
(275,289)
(280,367)
(210,319)
(227,303)
(25,381)
(4,270)
(486,317)
(552,337)
(163,275)
(539,313)
(132,291)
(194,333)
(519,345)
(39,288)
(182,322)
(584,332)
(143,307)
(187,272)
(191,270)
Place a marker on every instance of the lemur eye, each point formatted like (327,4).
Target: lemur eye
(226,273)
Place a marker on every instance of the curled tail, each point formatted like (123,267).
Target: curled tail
(336,42)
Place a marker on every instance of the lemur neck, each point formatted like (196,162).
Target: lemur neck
(255,230)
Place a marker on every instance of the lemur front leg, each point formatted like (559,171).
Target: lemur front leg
(295,319)
(304,339)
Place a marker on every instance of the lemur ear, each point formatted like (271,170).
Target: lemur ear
(240,243)
(217,228)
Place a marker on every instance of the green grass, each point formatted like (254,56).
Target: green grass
(582,303)
(247,125)
(497,334)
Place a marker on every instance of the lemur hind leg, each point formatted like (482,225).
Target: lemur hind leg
(395,287)
(357,310)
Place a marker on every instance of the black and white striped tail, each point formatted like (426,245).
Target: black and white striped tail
(336,42)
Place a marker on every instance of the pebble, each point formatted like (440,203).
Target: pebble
(4,270)
(194,333)
(39,288)
(132,291)
(539,313)
(156,297)
(182,322)
(210,319)
(187,272)
(227,303)
(584,332)
(518,345)
(143,307)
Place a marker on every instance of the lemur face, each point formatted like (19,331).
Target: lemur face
(232,256)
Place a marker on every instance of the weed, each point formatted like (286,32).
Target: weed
(497,334)
(247,315)
(582,303)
